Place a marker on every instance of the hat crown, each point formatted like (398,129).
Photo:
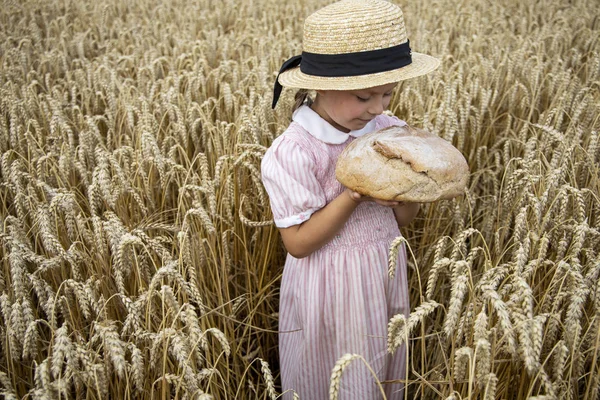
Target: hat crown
(350,26)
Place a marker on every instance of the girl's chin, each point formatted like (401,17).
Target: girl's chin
(352,125)
(361,123)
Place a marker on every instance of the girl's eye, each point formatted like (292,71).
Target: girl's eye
(362,98)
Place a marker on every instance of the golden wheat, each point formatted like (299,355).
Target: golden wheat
(139,257)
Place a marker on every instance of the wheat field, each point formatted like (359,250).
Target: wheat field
(139,259)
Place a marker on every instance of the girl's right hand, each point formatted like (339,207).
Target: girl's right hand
(359,198)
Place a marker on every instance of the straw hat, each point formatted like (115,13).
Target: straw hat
(354,44)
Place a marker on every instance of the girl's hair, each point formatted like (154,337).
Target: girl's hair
(302,96)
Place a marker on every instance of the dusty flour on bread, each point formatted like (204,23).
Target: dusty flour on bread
(403,163)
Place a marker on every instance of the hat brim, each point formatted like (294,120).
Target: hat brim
(421,64)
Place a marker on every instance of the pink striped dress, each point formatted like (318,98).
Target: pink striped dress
(339,299)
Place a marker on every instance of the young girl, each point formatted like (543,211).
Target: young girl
(336,296)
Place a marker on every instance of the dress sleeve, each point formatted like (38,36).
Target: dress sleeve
(384,121)
(289,176)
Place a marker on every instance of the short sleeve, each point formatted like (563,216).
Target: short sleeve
(386,120)
(289,175)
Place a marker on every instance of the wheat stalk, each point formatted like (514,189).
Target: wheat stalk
(112,130)
(336,374)
(400,328)
(393,255)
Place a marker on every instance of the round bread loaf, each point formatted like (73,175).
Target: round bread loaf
(403,163)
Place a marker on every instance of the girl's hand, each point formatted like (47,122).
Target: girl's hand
(359,198)
(404,212)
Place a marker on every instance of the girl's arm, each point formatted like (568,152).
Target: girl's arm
(405,213)
(306,238)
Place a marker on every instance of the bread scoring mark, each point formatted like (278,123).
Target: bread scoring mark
(384,150)
(391,154)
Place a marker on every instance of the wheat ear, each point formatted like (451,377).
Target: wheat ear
(338,369)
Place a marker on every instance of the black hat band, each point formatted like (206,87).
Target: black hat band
(347,64)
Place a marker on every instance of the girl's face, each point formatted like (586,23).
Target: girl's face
(350,110)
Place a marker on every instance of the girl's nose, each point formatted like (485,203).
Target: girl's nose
(376,107)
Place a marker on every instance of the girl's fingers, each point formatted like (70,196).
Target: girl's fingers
(386,203)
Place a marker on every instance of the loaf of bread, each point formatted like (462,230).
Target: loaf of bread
(403,163)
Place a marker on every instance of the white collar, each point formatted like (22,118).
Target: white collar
(323,130)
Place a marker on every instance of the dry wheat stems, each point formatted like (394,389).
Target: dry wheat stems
(138,249)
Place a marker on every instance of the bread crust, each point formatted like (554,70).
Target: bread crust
(403,163)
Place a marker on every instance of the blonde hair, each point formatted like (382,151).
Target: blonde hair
(302,96)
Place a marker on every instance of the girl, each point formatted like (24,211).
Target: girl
(336,296)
